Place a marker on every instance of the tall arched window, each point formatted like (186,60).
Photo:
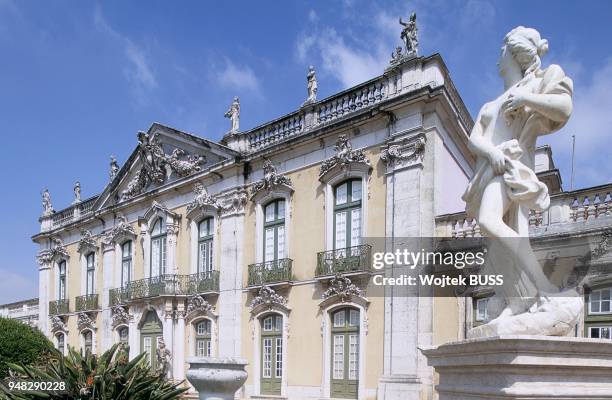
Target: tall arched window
(271,354)
(158,248)
(345,353)
(60,342)
(61,287)
(89,280)
(274,230)
(347,214)
(87,341)
(126,263)
(205,246)
(203,338)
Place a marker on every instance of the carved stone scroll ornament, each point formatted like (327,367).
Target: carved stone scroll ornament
(120,316)
(87,242)
(85,321)
(155,165)
(267,296)
(271,180)
(343,287)
(345,156)
(407,153)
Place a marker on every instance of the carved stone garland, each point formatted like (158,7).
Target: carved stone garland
(345,156)
(235,203)
(267,296)
(407,153)
(271,180)
(155,165)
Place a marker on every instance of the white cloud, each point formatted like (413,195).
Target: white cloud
(137,69)
(238,77)
(591,122)
(312,16)
(14,287)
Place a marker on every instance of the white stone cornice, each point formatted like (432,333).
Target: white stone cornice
(345,159)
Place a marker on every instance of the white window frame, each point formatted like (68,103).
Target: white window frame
(260,203)
(600,327)
(353,171)
(193,333)
(600,291)
(477,316)
(257,321)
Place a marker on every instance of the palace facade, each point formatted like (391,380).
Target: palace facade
(254,246)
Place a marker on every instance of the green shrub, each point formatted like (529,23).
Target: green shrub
(89,377)
(20,343)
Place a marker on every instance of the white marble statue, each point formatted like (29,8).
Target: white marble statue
(164,358)
(46,203)
(114,168)
(504,187)
(311,77)
(77,193)
(234,115)
(409,34)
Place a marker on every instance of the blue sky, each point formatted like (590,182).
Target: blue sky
(78,79)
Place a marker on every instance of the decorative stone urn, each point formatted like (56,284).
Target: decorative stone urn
(216,378)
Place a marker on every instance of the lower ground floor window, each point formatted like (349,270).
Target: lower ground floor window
(345,353)
(600,332)
(123,335)
(87,341)
(60,342)
(271,354)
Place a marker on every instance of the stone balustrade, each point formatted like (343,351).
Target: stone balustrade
(72,213)
(576,210)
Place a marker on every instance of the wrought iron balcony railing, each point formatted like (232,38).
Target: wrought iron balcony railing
(270,272)
(166,285)
(58,307)
(87,302)
(347,260)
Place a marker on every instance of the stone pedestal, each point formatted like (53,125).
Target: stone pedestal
(216,378)
(523,367)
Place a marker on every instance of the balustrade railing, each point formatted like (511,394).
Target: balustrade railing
(270,272)
(276,131)
(87,302)
(58,307)
(166,285)
(345,103)
(73,213)
(347,260)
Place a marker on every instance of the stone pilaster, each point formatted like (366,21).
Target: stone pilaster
(179,345)
(44,271)
(108,261)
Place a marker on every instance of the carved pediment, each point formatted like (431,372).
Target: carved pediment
(120,316)
(268,299)
(58,324)
(342,290)
(198,306)
(344,158)
(55,253)
(157,166)
(87,242)
(202,201)
(272,181)
(120,232)
(86,321)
